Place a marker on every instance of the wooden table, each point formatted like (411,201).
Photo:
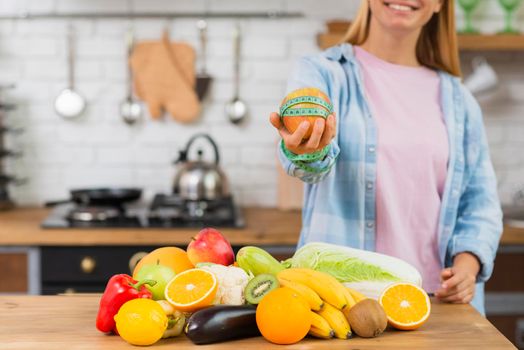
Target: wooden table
(68,322)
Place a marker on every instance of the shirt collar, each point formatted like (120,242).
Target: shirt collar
(337,53)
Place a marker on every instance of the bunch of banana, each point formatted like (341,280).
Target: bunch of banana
(329,300)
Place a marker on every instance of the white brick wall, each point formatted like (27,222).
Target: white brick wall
(100,149)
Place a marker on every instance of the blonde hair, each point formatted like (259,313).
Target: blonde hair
(437,46)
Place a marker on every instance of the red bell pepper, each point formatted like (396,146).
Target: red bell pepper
(120,289)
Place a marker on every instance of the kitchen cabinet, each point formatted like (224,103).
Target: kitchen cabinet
(505,294)
(19,270)
(14,272)
(73,269)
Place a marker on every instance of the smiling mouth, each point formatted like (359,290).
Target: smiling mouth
(400,7)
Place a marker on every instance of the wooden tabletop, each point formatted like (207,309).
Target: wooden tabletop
(264,226)
(68,322)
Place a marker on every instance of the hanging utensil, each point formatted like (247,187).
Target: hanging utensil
(69,104)
(203,78)
(130,109)
(236,109)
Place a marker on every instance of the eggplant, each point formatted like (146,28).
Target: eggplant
(220,323)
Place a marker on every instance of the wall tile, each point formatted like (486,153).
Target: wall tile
(99,149)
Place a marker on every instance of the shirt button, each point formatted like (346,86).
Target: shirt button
(370,224)
(369,185)
(371,149)
(455,193)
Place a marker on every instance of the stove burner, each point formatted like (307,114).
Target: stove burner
(90,214)
(165,211)
(171,210)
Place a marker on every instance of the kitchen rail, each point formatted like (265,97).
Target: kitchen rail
(150,15)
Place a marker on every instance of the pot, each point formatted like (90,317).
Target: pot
(101,196)
(198,180)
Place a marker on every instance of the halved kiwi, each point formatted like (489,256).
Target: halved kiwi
(260,286)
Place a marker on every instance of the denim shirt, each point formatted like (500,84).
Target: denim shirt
(339,197)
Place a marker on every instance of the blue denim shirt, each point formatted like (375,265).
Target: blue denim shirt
(339,200)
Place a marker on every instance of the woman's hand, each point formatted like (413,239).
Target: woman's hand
(323,133)
(458,282)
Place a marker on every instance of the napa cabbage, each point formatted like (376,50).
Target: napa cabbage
(365,271)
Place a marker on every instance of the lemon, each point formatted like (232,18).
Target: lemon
(141,321)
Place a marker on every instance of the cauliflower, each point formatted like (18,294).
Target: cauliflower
(231,283)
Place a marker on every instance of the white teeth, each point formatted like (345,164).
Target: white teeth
(400,7)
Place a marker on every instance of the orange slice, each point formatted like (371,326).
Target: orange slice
(192,290)
(407,306)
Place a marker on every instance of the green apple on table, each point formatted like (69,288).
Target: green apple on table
(159,273)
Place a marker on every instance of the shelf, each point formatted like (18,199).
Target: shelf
(481,42)
(503,42)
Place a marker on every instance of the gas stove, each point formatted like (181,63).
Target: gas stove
(165,211)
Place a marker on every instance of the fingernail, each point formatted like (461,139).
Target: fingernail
(304,125)
(444,285)
(318,122)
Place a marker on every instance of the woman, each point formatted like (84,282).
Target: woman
(407,171)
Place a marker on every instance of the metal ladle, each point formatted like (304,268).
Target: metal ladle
(69,103)
(130,109)
(236,109)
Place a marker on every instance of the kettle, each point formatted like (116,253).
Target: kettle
(197,179)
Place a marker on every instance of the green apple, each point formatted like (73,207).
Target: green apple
(159,273)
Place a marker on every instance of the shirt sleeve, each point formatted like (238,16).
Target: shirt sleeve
(312,168)
(479,219)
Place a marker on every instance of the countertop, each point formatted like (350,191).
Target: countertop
(21,227)
(68,322)
(264,226)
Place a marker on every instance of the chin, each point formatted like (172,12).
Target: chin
(400,26)
(401,15)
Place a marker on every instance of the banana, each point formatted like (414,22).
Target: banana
(336,320)
(356,295)
(312,298)
(349,298)
(326,286)
(350,303)
(320,328)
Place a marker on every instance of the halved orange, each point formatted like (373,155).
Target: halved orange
(192,290)
(407,306)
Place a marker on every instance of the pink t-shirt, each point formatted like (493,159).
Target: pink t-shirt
(412,157)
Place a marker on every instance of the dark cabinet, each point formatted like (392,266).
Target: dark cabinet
(87,269)
(505,294)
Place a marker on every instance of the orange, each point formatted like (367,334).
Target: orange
(172,257)
(293,122)
(192,290)
(407,306)
(283,316)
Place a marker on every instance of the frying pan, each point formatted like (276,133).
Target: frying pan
(102,196)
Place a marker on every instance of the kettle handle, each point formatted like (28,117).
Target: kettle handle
(211,141)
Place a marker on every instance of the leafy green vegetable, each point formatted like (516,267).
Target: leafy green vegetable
(343,267)
(366,271)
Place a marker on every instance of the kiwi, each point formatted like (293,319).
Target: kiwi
(260,286)
(367,318)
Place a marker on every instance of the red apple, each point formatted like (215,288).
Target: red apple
(210,246)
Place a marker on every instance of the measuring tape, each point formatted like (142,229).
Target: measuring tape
(287,111)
